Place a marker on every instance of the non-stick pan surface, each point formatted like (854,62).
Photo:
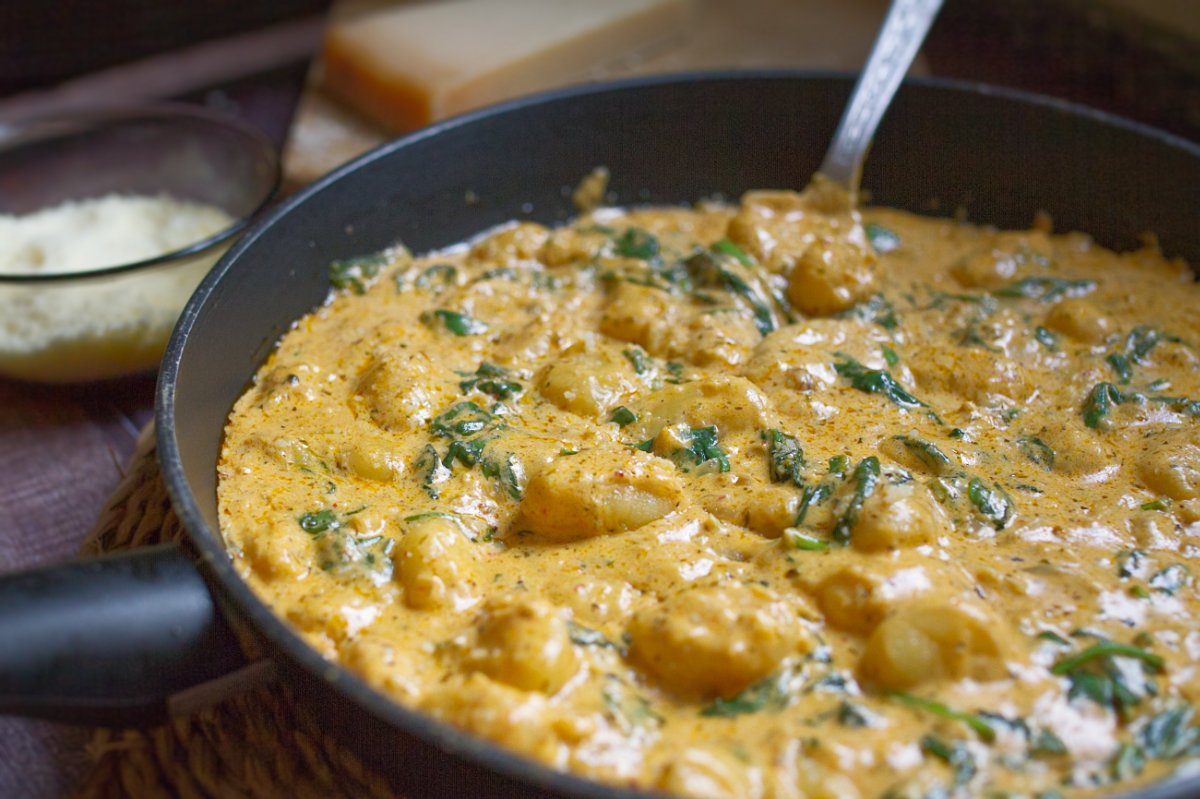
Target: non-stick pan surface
(944,148)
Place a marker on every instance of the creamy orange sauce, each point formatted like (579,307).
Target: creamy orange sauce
(749,501)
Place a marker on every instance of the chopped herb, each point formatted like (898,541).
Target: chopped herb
(460,324)
(729,248)
(767,694)
(636,358)
(1037,451)
(645,446)
(957,434)
(798,539)
(437,277)
(637,243)
(462,419)
(785,457)
(883,240)
(866,477)
(889,355)
(1046,289)
(957,756)
(875,381)
(977,724)
(317,522)
(839,464)
(356,273)
(491,380)
(993,503)
(623,416)
(1162,503)
(702,448)
(1170,579)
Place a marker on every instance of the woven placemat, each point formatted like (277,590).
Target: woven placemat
(259,744)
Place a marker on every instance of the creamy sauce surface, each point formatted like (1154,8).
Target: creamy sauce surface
(751,500)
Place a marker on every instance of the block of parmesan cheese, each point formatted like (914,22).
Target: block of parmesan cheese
(415,63)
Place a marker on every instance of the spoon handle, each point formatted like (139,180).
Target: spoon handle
(899,39)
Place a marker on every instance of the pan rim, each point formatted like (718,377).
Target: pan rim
(279,635)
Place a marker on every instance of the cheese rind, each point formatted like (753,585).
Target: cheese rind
(414,64)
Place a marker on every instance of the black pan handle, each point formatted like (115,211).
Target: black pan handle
(110,641)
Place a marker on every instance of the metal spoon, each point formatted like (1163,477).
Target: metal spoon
(899,39)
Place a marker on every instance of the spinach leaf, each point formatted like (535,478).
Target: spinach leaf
(637,359)
(702,448)
(1170,579)
(876,309)
(727,247)
(866,477)
(317,522)
(1037,451)
(462,419)
(1046,289)
(976,723)
(994,504)
(785,457)
(429,466)
(875,381)
(955,755)
(1046,338)
(707,271)
(637,243)
(491,380)
(508,471)
(356,273)
(437,277)
(925,453)
(767,694)
(623,416)
(460,324)
(883,240)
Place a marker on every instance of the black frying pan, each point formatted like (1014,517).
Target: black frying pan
(110,641)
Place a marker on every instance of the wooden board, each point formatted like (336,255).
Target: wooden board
(812,34)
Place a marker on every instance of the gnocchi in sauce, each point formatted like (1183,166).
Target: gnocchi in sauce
(750,500)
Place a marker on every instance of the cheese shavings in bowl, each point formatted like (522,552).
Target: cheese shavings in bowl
(109,219)
(98,327)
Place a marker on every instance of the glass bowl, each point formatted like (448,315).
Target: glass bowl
(100,323)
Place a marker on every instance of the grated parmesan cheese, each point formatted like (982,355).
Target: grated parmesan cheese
(95,328)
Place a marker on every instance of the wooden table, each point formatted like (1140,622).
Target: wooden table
(62,448)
